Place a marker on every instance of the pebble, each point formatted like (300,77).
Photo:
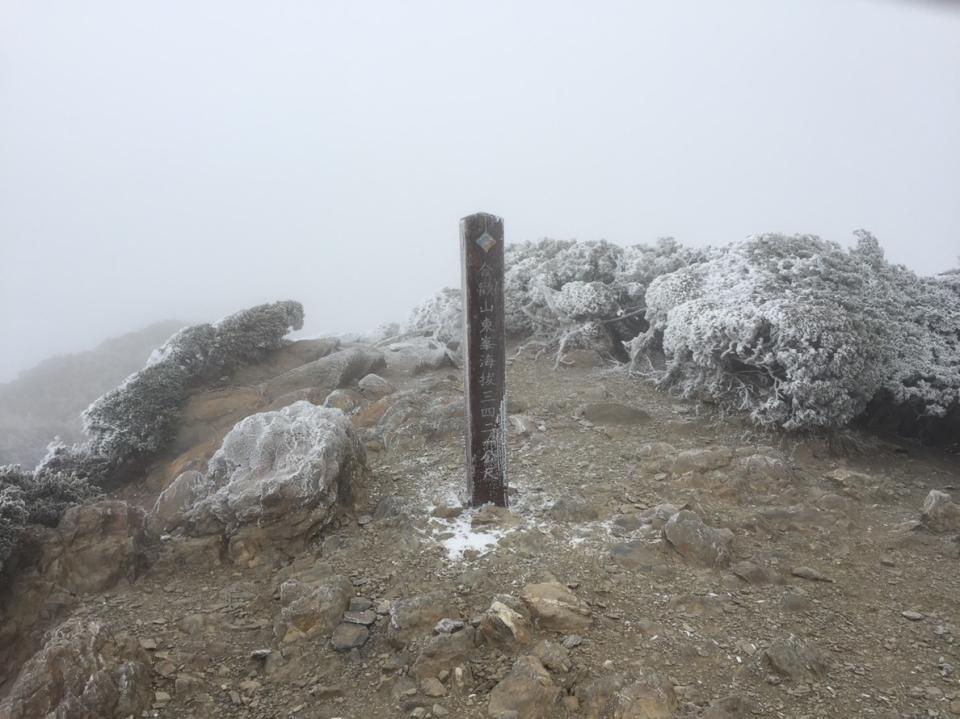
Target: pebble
(572,640)
(448,626)
(366,617)
(810,573)
(912,615)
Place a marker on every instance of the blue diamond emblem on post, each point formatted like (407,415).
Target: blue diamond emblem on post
(485,241)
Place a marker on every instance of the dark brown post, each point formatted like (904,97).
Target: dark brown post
(481,253)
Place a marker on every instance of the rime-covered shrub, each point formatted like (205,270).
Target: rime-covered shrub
(35,498)
(950,279)
(137,419)
(552,287)
(802,334)
(247,336)
(13,518)
(47,494)
(535,271)
(441,316)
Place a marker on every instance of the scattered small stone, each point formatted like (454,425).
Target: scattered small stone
(912,615)
(364,519)
(148,644)
(572,640)
(448,626)
(162,697)
(361,604)
(810,573)
(366,617)
(439,710)
(260,653)
(433,687)
(349,636)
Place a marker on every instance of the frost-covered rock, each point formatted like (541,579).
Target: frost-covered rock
(373,386)
(939,513)
(281,470)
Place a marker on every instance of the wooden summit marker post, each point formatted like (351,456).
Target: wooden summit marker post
(484,347)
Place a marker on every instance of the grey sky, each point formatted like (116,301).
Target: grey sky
(185,159)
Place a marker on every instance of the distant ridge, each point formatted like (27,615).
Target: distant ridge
(46,400)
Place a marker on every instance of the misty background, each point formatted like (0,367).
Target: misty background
(183,160)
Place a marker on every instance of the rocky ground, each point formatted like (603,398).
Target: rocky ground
(656,561)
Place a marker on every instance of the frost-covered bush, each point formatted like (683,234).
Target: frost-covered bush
(441,316)
(535,271)
(247,336)
(46,494)
(950,279)
(35,498)
(13,518)
(567,289)
(138,419)
(802,334)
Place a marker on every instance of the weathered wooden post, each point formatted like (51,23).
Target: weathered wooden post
(481,253)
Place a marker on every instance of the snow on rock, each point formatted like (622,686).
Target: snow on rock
(282,470)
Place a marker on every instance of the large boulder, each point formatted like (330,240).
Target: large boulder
(282,471)
(327,373)
(83,671)
(94,546)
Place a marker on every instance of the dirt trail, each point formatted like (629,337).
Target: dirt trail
(820,560)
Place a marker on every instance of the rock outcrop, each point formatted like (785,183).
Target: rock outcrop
(95,546)
(282,471)
(83,671)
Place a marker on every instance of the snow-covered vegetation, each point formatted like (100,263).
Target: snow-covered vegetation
(794,331)
(38,497)
(802,334)
(131,423)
